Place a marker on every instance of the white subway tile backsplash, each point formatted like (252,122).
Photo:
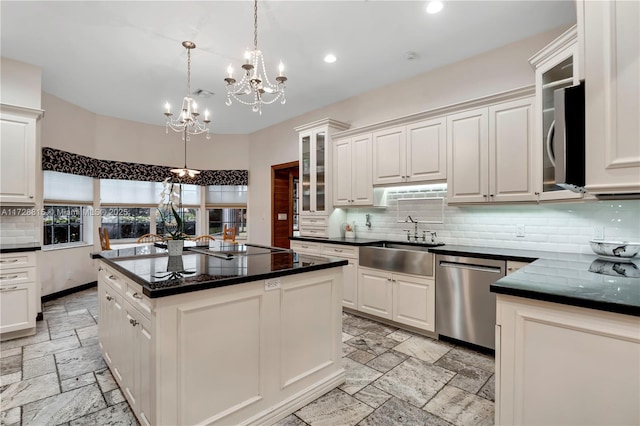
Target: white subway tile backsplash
(557,227)
(19,229)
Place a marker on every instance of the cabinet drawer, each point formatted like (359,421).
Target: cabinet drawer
(17,260)
(133,295)
(340,251)
(304,247)
(16,276)
(113,279)
(17,307)
(309,231)
(313,221)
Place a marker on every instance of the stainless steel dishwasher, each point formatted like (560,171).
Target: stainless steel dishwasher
(465,308)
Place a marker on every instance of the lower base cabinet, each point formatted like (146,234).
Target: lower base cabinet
(239,354)
(406,299)
(19,294)
(565,365)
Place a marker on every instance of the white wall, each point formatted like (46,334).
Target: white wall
(496,71)
(557,227)
(21,83)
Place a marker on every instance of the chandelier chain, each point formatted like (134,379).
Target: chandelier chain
(188,71)
(255,25)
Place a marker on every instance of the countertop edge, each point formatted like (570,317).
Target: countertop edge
(206,285)
(19,249)
(567,300)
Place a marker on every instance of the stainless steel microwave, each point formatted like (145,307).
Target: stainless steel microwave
(568,138)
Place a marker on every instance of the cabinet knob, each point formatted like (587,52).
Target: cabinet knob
(109,298)
(30,196)
(536,193)
(484,195)
(490,195)
(100,269)
(8,277)
(136,295)
(113,277)
(133,322)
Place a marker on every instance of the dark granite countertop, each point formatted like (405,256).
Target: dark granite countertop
(361,241)
(582,280)
(21,247)
(161,275)
(579,280)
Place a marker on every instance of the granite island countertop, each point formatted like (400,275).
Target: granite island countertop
(200,268)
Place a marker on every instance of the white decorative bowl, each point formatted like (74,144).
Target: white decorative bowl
(619,250)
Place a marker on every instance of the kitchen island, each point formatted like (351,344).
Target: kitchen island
(236,334)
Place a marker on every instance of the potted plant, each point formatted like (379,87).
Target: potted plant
(170,218)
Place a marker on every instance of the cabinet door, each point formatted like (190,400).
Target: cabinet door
(511,174)
(322,198)
(389,156)
(414,301)
(427,150)
(307,173)
(467,147)
(342,172)
(350,285)
(612,94)
(375,292)
(18,158)
(17,307)
(362,175)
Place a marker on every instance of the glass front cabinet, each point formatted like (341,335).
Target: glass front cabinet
(315,202)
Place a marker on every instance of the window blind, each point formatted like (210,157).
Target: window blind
(67,187)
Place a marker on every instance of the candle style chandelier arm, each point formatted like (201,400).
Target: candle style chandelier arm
(255,88)
(188,121)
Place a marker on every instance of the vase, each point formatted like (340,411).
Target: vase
(175,247)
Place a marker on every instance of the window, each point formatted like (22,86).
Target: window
(126,222)
(63,224)
(227,205)
(189,218)
(67,199)
(232,217)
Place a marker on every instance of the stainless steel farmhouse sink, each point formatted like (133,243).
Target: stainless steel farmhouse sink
(398,257)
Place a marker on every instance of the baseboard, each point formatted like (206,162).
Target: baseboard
(40,316)
(68,291)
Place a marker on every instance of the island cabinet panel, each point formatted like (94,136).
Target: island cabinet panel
(558,364)
(247,353)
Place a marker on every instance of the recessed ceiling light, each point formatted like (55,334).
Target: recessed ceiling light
(434,7)
(330,58)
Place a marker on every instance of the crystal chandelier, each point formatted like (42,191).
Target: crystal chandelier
(255,89)
(187,122)
(186,171)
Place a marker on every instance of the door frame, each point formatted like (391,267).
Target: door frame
(274,169)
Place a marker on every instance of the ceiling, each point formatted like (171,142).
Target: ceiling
(125,59)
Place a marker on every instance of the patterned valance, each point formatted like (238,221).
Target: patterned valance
(67,162)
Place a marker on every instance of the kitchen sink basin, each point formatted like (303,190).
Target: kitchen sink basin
(398,257)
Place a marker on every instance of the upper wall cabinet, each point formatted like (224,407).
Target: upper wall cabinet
(612,95)
(315,174)
(412,153)
(18,153)
(490,154)
(352,176)
(556,67)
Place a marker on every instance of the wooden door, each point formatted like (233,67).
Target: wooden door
(283,181)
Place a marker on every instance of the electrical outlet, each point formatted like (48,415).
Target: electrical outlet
(272,284)
(598,233)
(519,230)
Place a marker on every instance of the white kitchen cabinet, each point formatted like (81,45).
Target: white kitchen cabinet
(349,272)
(352,174)
(18,294)
(490,154)
(406,299)
(412,153)
(18,151)
(559,364)
(168,365)
(414,301)
(315,194)
(375,292)
(556,67)
(612,96)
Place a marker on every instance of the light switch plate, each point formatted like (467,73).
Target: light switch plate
(519,230)
(598,233)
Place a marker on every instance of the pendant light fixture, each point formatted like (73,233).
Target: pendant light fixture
(255,89)
(185,171)
(188,121)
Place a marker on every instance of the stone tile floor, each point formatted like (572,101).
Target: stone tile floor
(393,377)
